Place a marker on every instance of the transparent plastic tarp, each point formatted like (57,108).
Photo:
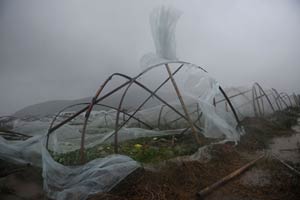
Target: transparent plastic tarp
(64,182)
(100,175)
(163,23)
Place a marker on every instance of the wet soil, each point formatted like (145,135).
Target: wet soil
(19,182)
(183,179)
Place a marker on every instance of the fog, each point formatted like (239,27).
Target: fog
(65,49)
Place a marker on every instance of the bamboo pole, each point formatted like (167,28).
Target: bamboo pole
(183,105)
(227,178)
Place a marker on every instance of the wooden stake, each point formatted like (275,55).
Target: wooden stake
(227,178)
(183,105)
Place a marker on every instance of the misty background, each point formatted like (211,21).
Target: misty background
(63,49)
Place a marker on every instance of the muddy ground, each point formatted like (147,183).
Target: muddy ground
(183,177)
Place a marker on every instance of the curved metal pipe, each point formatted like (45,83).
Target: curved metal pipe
(230,104)
(284,94)
(128,84)
(133,80)
(98,104)
(281,100)
(262,90)
(254,97)
(275,99)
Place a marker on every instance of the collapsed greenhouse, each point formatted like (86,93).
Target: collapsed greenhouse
(176,98)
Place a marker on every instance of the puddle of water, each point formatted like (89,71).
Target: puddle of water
(256,177)
(279,146)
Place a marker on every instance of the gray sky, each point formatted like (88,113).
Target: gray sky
(63,49)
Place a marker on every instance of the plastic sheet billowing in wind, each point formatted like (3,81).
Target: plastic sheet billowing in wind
(99,175)
(163,23)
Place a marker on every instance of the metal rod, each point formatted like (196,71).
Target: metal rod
(107,106)
(262,90)
(232,96)
(230,104)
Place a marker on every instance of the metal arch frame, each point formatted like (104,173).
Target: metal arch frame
(240,93)
(128,83)
(230,104)
(256,108)
(150,68)
(134,80)
(276,101)
(79,104)
(197,110)
(236,95)
(295,99)
(117,128)
(285,95)
(262,101)
(256,100)
(292,97)
(280,99)
(94,100)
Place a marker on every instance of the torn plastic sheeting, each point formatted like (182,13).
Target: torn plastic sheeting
(216,126)
(100,175)
(31,128)
(24,152)
(163,21)
(197,85)
(204,89)
(64,182)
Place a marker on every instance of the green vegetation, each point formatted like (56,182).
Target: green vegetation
(144,150)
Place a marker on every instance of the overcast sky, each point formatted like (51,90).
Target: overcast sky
(59,49)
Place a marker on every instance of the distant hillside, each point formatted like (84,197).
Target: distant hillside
(51,107)
(48,107)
